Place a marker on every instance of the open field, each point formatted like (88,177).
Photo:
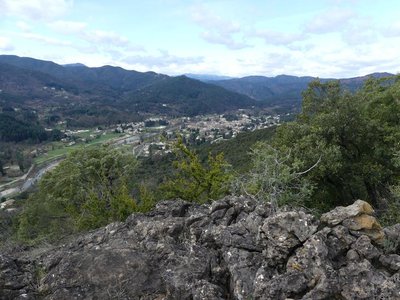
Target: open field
(61,150)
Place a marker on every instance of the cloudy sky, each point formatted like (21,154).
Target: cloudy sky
(325,38)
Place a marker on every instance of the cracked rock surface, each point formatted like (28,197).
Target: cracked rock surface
(234,248)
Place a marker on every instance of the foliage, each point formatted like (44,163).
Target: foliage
(236,150)
(152,171)
(356,136)
(186,97)
(2,172)
(18,154)
(391,215)
(7,220)
(271,179)
(197,182)
(12,129)
(147,198)
(87,190)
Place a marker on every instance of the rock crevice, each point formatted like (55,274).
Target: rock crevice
(234,248)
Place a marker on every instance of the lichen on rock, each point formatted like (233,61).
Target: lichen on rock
(234,248)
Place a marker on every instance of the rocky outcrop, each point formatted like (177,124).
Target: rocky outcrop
(358,218)
(234,248)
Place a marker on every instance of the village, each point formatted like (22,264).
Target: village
(152,137)
(155,136)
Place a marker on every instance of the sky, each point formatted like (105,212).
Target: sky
(324,38)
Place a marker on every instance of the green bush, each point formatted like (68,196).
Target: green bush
(272,179)
(355,136)
(195,181)
(87,190)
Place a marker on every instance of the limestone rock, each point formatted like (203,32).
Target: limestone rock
(285,231)
(340,213)
(234,248)
(357,218)
(362,222)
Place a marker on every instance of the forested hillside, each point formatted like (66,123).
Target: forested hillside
(284,90)
(342,147)
(107,95)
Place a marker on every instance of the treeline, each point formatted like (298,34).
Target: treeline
(14,154)
(342,147)
(351,139)
(16,130)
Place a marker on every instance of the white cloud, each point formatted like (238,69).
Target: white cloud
(101,37)
(278,38)
(209,20)
(393,30)
(46,40)
(164,59)
(338,60)
(5,44)
(332,20)
(97,39)
(360,34)
(35,9)
(68,27)
(217,30)
(24,26)
(223,39)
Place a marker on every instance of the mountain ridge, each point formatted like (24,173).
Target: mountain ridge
(86,92)
(285,89)
(78,91)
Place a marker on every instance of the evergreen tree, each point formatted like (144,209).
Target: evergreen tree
(196,181)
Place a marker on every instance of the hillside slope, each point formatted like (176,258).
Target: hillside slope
(182,95)
(284,90)
(107,94)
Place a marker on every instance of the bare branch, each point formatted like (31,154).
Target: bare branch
(309,169)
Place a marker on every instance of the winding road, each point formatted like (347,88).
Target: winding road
(28,182)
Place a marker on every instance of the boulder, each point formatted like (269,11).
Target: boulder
(357,218)
(234,248)
(340,213)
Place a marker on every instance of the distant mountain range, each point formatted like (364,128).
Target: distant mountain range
(108,94)
(284,90)
(207,77)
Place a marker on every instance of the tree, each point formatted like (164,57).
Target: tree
(273,180)
(2,172)
(356,135)
(90,188)
(196,181)
(20,161)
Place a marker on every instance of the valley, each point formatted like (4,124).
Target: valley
(152,137)
(49,110)
(199,150)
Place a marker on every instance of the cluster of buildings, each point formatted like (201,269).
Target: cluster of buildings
(155,136)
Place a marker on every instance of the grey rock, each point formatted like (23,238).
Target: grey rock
(234,248)
(391,261)
(340,213)
(283,232)
(358,219)
(365,249)
(352,255)
(17,278)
